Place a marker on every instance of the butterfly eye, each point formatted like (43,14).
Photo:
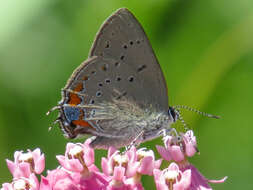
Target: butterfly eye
(172,113)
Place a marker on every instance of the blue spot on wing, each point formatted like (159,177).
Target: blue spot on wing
(71,113)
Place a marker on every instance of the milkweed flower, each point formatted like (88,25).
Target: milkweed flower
(79,163)
(126,169)
(26,163)
(78,158)
(58,179)
(198,181)
(172,178)
(147,161)
(22,183)
(120,170)
(177,150)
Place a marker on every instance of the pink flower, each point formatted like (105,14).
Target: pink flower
(177,149)
(147,161)
(117,180)
(141,161)
(126,169)
(26,163)
(121,171)
(135,182)
(79,163)
(78,158)
(95,181)
(20,183)
(198,181)
(120,182)
(172,178)
(125,161)
(190,143)
(58,179)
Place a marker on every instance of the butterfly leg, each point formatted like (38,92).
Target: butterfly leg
(169,132)
(136,141)
(176,138)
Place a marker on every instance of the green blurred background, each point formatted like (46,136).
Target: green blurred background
(205,49)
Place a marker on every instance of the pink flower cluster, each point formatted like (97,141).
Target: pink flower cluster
(120,171)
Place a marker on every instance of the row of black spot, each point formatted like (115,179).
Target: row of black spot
(125,45)
(99,93)
(108,81)
(105,68)
(118,78)
(131,43)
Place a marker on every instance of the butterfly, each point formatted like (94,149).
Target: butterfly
(119,94)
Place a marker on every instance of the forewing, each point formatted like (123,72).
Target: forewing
(122,39)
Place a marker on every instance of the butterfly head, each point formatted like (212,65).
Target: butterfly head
(173,114)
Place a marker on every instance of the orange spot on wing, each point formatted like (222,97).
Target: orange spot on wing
(74,98)
(85,78)
(79,87)
(81,122)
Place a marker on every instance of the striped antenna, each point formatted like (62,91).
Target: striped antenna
(196,111)
(180,118)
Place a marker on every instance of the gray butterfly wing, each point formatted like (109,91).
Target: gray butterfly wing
(123,39)
(101,90)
